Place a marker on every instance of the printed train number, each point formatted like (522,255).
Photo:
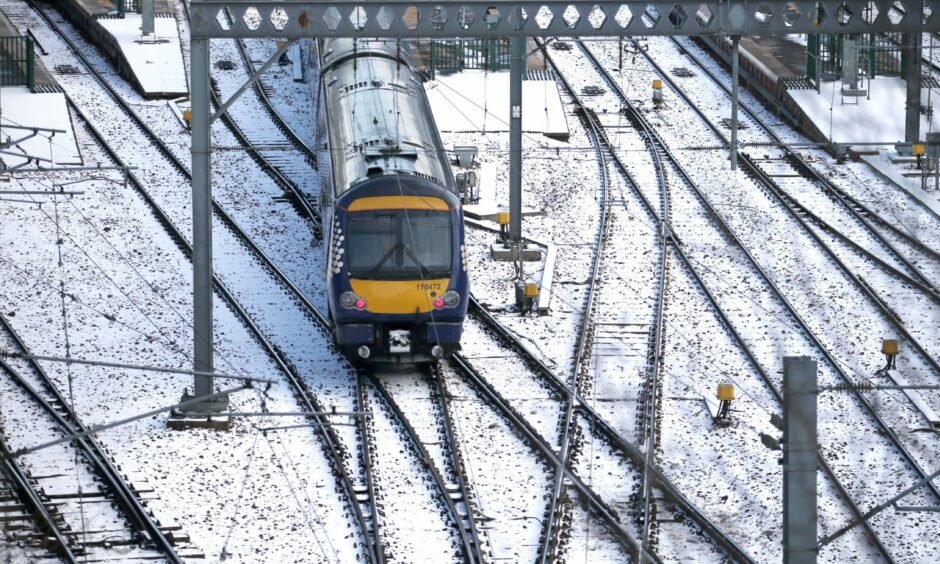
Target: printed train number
(425,286)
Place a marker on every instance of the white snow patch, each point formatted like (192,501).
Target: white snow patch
(475,100)
(875,119)
(157,61)
(882,164)
(19,106)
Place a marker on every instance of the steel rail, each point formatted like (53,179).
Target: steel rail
(794,209)
(485,389)
(667,236)
(279,121)
(69,422)
(725,321)
(460,472)
(469,545)
(554,520)
(367,440)
(634,454)
(309,155)
(857,209)
(885,429)
(32,498)
(335,449)
(738,339)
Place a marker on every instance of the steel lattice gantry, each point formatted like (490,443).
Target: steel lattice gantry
(294,19)
(502,18)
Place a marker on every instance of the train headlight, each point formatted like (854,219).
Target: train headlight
(350,300)
(451,298)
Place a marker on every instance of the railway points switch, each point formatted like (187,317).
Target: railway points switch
(658,92)
(725,397)
(527,293)
(890,348)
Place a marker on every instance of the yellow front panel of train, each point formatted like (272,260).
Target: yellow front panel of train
(399,296)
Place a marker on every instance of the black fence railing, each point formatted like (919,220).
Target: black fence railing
(488,54)
(17,59)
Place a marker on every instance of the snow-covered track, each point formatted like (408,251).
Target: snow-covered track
(51,533)
(884,428)
(597,504)
(282,124)
(659,149)
(335,450)
(598,422)
(799,213)
(856,209)
(456,500)
(557,518)
(55,406)
(272,154)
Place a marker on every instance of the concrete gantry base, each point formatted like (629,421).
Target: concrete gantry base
(180,421)
(195,416)
(504,252)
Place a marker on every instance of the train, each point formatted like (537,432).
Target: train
(392,217)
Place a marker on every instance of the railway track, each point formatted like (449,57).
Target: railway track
(362,505)
(803,327)
(70,545)
(443,466)
(278,150)
(363,497)
(803,216)
(588,332)
(874,226)
(22,503)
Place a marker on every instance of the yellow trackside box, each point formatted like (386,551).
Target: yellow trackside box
(502,218)
(280,44)
(725,391)
(890,346)
(657,84)
(531,290)
(187,116)
(918,149)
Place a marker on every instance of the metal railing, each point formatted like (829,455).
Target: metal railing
(17,61)
(457,55)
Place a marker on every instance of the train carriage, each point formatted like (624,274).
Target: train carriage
(396,271)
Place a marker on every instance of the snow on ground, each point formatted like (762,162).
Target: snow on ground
(876,118)
(510,483)
(809,280)
(286,465)
(156,60)
(459,103)
(20,107)
(416,524)
(295,101)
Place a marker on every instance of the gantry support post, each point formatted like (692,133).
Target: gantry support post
(516,46)
(735,56)
(799,460)
(912,67)
(147,16)
(202,229)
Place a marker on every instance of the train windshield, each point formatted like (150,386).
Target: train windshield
(399,244)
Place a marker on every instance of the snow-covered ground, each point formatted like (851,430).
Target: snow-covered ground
(251,495)
(19,107)
(156,60)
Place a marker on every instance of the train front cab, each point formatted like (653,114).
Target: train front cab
(398,278)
